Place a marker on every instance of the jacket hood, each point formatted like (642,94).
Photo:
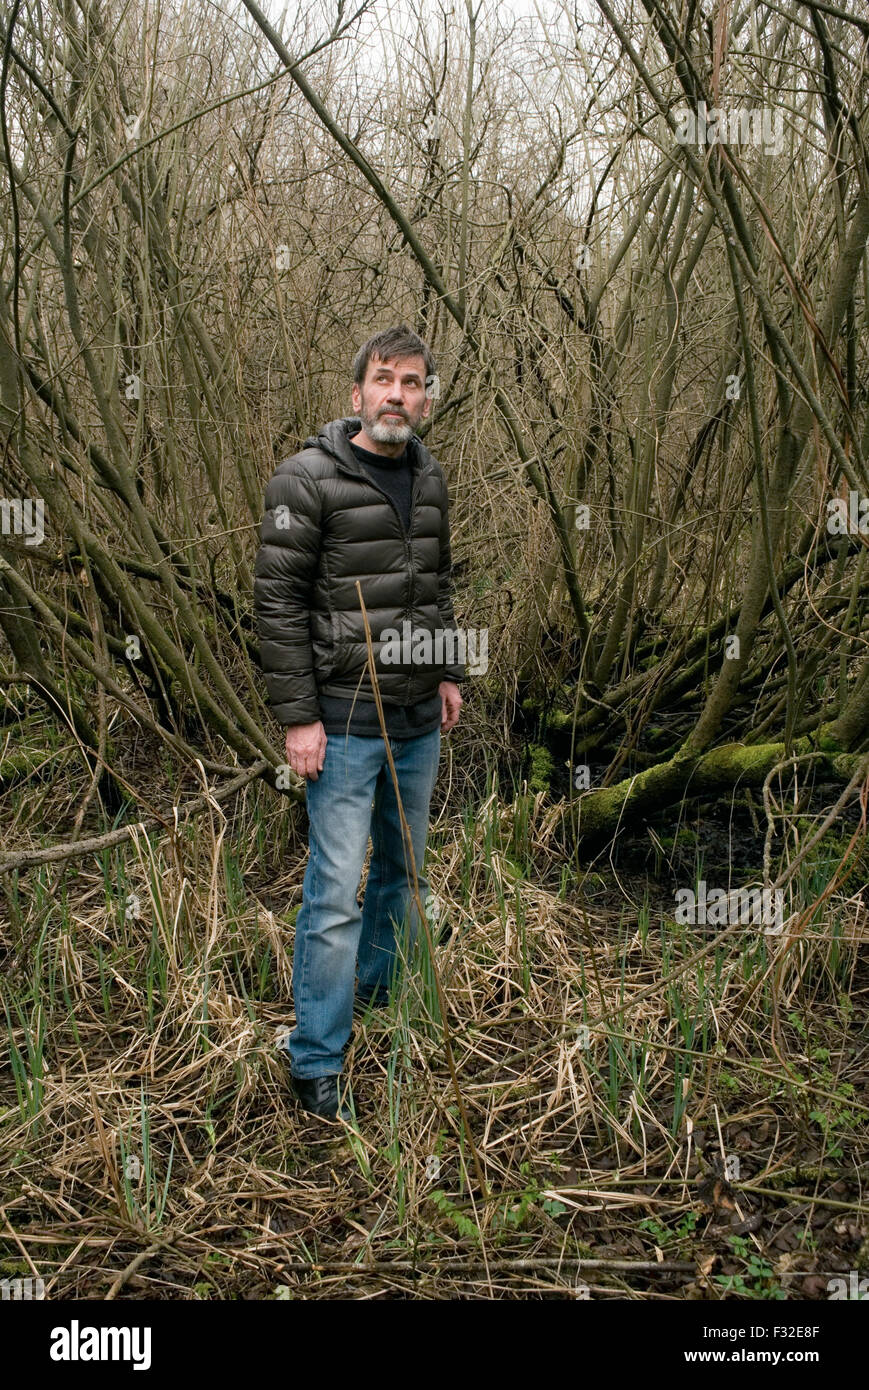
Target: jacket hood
(334,438)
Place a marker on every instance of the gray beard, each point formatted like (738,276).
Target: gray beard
(383,433)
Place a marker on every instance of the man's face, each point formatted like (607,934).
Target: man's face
(392,400)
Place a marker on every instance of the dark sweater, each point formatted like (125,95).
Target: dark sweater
(359,716)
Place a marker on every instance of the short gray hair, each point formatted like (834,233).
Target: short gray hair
(397,342)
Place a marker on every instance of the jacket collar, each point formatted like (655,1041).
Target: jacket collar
(334,438)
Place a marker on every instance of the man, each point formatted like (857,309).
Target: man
(363,500)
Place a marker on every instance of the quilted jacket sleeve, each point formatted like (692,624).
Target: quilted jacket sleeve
(456,671)
(284,573)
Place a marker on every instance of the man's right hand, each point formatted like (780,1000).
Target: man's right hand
(306,749)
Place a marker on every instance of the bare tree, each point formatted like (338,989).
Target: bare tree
(651,321)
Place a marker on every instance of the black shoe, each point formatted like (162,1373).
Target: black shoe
(319,1096)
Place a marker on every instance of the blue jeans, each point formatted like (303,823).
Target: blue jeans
(331,930)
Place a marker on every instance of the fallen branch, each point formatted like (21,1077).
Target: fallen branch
(727,768)
(26,859)
(440,1266)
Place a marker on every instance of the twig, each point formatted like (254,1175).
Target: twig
(464,1266)
(405,830)
(135,1264)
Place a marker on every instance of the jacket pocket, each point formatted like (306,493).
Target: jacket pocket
(338,657)
(324,646)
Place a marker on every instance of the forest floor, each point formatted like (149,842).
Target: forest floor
(659,1110)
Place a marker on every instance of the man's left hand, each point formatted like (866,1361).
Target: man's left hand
(451,703)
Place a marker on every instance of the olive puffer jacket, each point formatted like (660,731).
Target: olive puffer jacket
(327,524)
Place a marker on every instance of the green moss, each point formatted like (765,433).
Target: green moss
(556,719)
(541,768)
(684,836)
(560,718)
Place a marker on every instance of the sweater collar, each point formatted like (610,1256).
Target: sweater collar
(382,461)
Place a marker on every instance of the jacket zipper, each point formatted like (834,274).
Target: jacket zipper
(410,558)
(366,478)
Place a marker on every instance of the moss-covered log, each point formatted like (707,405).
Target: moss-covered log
(599,813)
(33,763)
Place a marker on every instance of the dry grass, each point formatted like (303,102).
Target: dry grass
(151,1147)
